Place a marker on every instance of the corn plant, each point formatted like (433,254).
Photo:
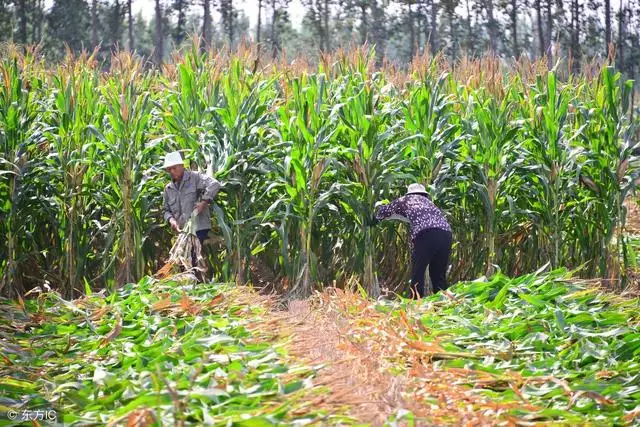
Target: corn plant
(305,134)
(430,119)
(190,102)
(527,170)
(76,105)
(19,113)
(553,161)
(609,171)
(234,142)
(374,157)
(491,152)
(125,152)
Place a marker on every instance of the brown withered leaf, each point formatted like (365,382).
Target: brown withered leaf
(114,332)
(161,304)
(216,300)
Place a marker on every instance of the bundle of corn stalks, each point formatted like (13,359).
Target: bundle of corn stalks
(183,253)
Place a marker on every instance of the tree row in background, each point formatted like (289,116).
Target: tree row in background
(529,169)
(574,30)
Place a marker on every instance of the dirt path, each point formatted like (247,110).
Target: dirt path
(374,368)
(350,367)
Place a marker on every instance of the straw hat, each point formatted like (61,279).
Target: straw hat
(172,159)
(416,188)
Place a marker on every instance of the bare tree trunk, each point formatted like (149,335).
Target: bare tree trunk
(433,34)
(94,23)
(159,39)
(549,38)
(116,27)
(572,31)
(259,22)
(180,33)
(607,25)
(514,27)
(541,43)
(420,25)
(491,22)
(575,33)
(34,19)
(318,22)
(231,22)
(363,22)
(130,20)
(621,36)
(39,20)
(378,30)
(22,26)
(412,32)
(469,42)
(453,35)
(206,21)
(226,12)
(274,22)
(325,11)
(578,47)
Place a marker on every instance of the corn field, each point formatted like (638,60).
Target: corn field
(529,166)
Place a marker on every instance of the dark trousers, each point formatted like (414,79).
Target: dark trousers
(431,248)
(201,235)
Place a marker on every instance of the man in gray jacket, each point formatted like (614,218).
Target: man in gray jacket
(187,192)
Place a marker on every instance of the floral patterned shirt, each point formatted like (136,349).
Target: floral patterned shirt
(420,212)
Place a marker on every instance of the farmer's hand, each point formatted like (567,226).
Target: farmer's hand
(174,224)
(200,207)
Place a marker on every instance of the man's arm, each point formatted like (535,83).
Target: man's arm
(208,186)
(168,215)
(167,211)
(211,186)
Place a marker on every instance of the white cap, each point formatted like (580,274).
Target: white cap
(172,159)
(416,188)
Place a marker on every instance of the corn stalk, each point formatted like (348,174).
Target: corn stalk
(305,135)
(19,112)
(492,153)
(609,172)
(76,104)
(374,158)
(125,151)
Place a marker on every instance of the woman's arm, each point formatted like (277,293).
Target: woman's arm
(397,207)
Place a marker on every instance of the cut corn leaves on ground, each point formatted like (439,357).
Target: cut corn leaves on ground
(153,353)
(540,349)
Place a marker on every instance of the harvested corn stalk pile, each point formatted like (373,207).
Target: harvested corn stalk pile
(186,252)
